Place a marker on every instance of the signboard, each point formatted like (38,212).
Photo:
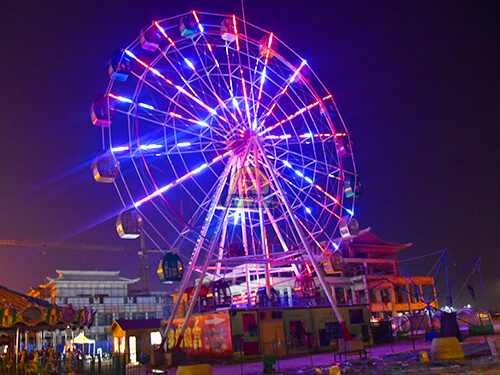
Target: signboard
(206,335)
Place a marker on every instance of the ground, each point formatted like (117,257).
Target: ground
(478,360)
(398,358)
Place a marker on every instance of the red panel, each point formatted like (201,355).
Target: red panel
(248,320)
(251,348)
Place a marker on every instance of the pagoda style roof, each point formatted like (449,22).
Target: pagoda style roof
(366,240)
(91,276)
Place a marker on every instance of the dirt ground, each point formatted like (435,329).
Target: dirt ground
(478,360)
(399,358)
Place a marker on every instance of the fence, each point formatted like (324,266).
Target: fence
(114,365)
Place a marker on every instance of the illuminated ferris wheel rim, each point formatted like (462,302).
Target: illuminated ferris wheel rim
(223,148)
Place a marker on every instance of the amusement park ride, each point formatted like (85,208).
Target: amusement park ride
(227,151)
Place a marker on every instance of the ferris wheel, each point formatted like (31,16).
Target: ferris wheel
(227,149)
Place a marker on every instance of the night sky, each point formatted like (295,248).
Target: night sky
(416,82)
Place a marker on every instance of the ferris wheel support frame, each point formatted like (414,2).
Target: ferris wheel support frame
(194,258)
(244,236)
(307,247)
(263,238)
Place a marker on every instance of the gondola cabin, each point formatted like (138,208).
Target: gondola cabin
(305,287)
(337,261)
(105,168)
(304,75)
(227,31)
(219,294)
(333,262)
(264,46)
(344,146)
(187,27)
(348,227)
(150,38)
(263,300)
(328,110)
(119,66)
(101,112)
(129,224)
(170,268)
(353,187)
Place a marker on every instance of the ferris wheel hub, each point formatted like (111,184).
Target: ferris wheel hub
(240,144)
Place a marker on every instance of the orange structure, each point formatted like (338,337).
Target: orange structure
(365,269)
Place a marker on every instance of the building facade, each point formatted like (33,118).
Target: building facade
(108,293)
(365,269)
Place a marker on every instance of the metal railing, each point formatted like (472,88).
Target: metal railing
(114,365)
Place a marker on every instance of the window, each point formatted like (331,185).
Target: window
(356,316)
(108,319)
(138,315)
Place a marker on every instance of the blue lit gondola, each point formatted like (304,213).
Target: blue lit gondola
(328,109)
(345,147)
(170,268)
(187,26)
(263,300)
(353,187)
(219,294)
(119,66)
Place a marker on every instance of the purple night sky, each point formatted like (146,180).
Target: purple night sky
(416,82)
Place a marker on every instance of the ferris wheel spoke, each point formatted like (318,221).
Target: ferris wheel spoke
(284,87)
(263,75)
(333,201)
(170,115)
(209,73)
(169,122)
(289,117)
(197,249)
(213,90)
(181,179)
(170,83)
(329,169)
(195,73)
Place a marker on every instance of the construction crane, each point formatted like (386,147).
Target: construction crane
(143,253)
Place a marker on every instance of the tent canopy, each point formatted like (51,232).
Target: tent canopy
(81,339)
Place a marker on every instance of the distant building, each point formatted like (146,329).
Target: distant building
(108,293)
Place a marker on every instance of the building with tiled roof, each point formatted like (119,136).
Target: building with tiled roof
(108,293)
